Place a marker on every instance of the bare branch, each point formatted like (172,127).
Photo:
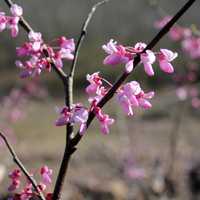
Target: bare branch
(83,34)
(21,166)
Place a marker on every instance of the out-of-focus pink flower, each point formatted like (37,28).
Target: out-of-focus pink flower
(178,33)
(195,102)
(46,174)
(181,93)
(148,58)
(135,173)
(165,58)
(3,21)
(192,46)
(77,115)
(143,99)
(131,96)
(161,23)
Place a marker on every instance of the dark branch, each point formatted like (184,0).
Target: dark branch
(21,166)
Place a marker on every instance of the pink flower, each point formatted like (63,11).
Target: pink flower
(148,58)
(192,46)
(143,99)
(12,24)
(177,33)
(77,115)
(3,21)
(15,178)
(80,116)
(182,93)
(104,119)
(65,116)
(16,10)
(66,43)
(166,56)
(117,53)
(95,82)
(46,174)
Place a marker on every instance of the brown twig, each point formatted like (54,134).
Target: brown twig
(21,166)
(26,26)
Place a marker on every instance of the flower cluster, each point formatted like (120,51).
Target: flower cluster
(76,115)
(129,96)
(132,96)
(119,54)
(39,61)
(11,22)
(28,191)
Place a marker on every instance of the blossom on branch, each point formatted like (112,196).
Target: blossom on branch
(119,54)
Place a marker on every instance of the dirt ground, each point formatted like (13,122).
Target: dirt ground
(149,156)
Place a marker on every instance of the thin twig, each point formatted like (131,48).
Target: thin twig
(21,166)
(83,34)
(124,76)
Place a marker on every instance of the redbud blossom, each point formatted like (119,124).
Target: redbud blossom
(77,115)
(117,53)
(16,10)
(166,56)
(95,82)
(148,58)
(131,96)
(104,119)
(15,178)
(46,174)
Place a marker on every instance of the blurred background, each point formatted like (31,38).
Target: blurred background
(153,155)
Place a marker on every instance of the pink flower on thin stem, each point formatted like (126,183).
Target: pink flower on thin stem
(104,119)
(165,57)
(65,116)
(143,99)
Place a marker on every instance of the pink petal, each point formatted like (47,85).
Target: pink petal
(166,66)
(148,69)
